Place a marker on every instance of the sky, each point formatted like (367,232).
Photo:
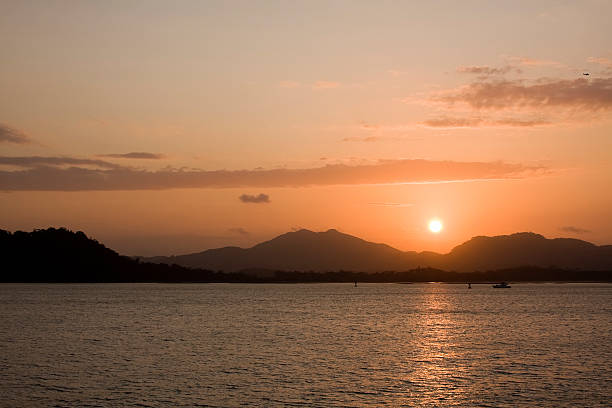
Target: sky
(162,127)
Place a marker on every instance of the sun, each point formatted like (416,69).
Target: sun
(435,226)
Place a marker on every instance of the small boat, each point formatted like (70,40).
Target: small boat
(502,285)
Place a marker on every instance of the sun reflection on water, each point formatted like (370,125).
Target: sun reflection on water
(441,366)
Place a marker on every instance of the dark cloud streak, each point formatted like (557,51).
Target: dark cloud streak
(10,135)
(134,155)
(32,162)
(486,70)
(71,174)
(574,230)
(587,94)
(254,199)
(456,122)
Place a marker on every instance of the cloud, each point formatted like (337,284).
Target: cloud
(255,199)
(368,126)
(575,230)
(32,162)
(486,70)
(384,127)
(239,231)
(10,135)
(450,122)
(604,62)
(601,61)
(73,174)
(584,94)
(533,62)
(512,122)
(325,85)
(472,122)
(361,139)
(134,155)
(607,62)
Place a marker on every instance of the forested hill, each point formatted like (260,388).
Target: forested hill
(60,255)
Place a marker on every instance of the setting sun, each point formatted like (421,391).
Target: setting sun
(435,226)
(227,175)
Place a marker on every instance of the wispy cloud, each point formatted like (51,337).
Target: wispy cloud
(448,122)
(368,126)
(325,85)
(73,174)
(386,127)
(361,139)
(10,135)
(254,199)
(33,162)
(487,70)
(453,122)
(134,155)
(606,62)
(583,94)
(533,62)
(574,230)
(514,122)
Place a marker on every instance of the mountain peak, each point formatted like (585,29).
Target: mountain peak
(516,235)
(306,233)
(525,234)
(300,231)
(526,248)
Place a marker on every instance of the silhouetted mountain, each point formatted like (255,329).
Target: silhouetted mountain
(332,251)
(301,250)
(526,248)
(59,255)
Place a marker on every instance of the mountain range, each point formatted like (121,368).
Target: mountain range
(332,250)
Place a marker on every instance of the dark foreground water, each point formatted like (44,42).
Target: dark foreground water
(325,345)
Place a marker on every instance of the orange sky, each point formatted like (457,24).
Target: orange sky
(144,123)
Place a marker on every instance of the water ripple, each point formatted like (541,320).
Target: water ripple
(332,345)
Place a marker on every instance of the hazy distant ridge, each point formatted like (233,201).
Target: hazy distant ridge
(331,250)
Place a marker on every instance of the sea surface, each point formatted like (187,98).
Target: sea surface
(319,345)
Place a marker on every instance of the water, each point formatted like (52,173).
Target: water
(326,345)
